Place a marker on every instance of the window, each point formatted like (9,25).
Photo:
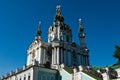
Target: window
(29,77)
(24,78)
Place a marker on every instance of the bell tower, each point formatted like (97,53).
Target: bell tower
(81,34)
(37,51)
(84,49)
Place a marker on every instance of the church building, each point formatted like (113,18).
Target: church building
(60,49)
(57,59)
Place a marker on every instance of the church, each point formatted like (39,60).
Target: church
(59,58)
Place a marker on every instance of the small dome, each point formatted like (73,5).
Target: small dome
(59,18)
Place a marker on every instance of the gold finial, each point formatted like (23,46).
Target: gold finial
(58,9)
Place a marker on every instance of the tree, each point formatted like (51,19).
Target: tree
(117,53)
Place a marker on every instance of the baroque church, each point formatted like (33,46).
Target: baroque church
(59,49)
(58,59)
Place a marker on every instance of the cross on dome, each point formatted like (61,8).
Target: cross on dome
(39,23)
(80,21)
(58,9)
(80,26)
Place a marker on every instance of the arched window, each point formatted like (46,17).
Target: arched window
(24,78)
(29,77)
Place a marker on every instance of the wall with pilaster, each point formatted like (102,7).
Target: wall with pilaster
(37,52)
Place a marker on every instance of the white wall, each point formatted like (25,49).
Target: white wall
(65,75)
(21,75)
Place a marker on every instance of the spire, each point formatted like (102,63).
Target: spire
(39,32)
(81,34)
(81,28)
(58,16)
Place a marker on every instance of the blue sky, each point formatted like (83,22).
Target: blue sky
(19,20)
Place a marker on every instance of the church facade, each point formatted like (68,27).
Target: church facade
(58,59)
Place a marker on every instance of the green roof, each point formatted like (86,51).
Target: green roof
(115,67)
(69,70)
(92,75)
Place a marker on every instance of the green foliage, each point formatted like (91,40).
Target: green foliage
(117,53)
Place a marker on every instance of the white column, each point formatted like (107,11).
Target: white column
(44,56)
(59,32)
(42,53)
(57,55)
(28,59)
(38,55)
(39,52)
(41,56)
(52,56)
